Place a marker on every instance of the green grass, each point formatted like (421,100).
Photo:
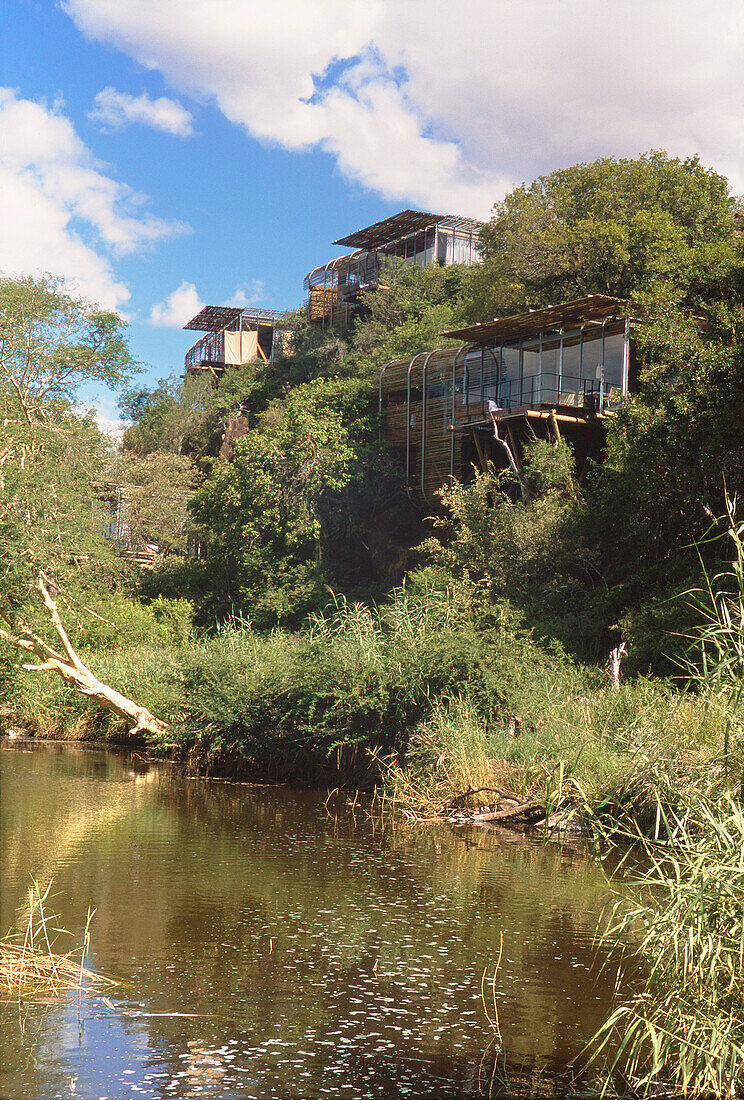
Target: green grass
(682,932)
(418,683)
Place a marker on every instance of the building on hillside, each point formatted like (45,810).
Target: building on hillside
(413,236)
(235,337)
(561,370)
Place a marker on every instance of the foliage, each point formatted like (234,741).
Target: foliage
(612,227)
(532,554)
(185,416)
(408,311)
(683,930)
(259,513)
(155,490)
(311,351)
(51,455)
(716,659)
(50,343)
(670,451)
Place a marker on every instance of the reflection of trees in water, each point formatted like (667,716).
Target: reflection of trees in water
(258,905)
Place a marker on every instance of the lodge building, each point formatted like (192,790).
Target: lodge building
(235,337)
(558,371)
(411,236)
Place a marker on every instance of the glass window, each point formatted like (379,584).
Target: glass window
(571,373)
(509,389)
(530,374)
(550,364)
(613,361)
(591,364)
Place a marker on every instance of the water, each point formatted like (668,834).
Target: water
(316,952)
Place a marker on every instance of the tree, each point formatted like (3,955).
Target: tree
(259,512)
(52,455)
(154,492)
(407,312)
(53,464)
(611,227)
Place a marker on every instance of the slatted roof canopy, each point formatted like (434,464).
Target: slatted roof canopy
(400,225)
(595,307)
(214,318)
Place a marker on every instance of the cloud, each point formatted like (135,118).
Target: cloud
(178,308)
(60,213)
(184,302)
(102,404)
(448,112)
(249,295)
(116,109)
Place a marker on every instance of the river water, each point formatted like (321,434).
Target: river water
(270,946)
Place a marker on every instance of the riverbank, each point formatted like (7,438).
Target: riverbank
(416,696)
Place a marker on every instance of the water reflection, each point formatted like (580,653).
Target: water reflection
(268,949)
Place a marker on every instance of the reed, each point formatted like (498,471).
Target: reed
(680,934)
(31,969)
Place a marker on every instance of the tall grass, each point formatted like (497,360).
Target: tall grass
(31,966)
(685,928)
(716,664)
(418,682)
(684,933)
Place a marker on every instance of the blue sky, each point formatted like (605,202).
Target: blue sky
(157,154)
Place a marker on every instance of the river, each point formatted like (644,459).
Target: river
(268,945)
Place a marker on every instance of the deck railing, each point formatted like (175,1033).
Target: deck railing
(550,389)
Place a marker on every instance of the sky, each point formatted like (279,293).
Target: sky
(157,155)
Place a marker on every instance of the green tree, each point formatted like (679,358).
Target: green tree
(154,491)
(612,226)
(407,312)
(53,458)
(259,513)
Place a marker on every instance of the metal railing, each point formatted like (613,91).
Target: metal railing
(549,389)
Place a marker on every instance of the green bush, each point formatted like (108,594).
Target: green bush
(121,623)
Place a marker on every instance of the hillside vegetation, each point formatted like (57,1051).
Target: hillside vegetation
(324,623)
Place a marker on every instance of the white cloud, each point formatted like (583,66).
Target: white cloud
(249,295)
(185,302)
(60,213)
(116,109)
(103,405)
(178,308)
(447,112)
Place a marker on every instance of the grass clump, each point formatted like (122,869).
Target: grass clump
(30,967)
(684,935)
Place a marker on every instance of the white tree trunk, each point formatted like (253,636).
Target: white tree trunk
(68,665)
(616,657)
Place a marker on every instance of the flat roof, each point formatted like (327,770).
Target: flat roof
(214,318)
(400,225)
(594,307)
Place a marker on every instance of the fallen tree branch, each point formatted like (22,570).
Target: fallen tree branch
(68,665)
(530,808)
(459,799)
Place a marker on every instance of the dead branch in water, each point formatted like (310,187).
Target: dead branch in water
(67,664)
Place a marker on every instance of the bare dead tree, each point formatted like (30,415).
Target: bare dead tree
(616,657)
(512,460)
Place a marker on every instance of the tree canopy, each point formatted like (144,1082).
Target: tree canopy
(612,227)
(52,454)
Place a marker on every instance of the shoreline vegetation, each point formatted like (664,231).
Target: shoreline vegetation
(452,717)
(306,622)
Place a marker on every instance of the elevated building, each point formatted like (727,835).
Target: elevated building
(235,337)
(413,236)
(560,370)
